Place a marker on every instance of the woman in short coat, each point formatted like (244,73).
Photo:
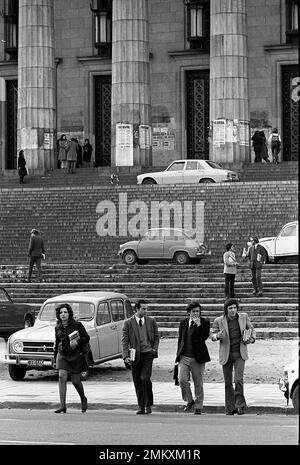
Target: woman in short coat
(68,356)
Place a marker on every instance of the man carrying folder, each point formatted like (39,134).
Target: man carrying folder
(140,339)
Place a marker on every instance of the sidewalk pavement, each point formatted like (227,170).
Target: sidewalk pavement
(31,394)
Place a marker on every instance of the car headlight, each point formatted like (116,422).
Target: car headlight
(18,346)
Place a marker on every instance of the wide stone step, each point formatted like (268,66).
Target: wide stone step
(203,300)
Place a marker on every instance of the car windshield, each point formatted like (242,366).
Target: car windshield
(83,311)
(190,233)
(3,296)
(176,166)
(214,165)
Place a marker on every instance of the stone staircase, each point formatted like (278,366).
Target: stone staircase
(249,172)
(269,171)
(68,217)
(169,288)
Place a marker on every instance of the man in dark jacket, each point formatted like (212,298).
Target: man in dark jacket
(140,334)
(257,258)
(36,252)
(192,354)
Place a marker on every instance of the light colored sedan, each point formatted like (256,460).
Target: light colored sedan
(285,244)
(189,171)
(101,313)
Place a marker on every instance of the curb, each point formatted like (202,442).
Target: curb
(169,408)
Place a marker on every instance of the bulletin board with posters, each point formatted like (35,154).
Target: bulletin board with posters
(124,144)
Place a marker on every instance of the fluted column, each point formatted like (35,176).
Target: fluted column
(130,76)
(36,88)
(229,107)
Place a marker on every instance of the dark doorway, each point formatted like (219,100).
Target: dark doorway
(102,120)
(197,119)
(290,112)
(11,124)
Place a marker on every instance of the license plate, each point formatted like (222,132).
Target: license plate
(35,363)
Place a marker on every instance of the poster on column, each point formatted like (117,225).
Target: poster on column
(48,140)
(29,139)
(145,136)
(244,133)
(124,144)
(219,132)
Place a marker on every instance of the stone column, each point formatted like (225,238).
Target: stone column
(229,82)
(2,122)
(130,76)
(36,83)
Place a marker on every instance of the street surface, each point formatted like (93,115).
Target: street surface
(119,427)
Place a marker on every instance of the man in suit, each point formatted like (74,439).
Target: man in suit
(257,257)
(192,354)
(229,330)
(140,332)
(36,252)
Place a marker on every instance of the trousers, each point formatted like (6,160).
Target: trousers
(229,284)
(256,278)
(234,398)
(38,263)
(141,375)
(187,366)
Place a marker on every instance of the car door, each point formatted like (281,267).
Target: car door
(118,316)
(174,173)
(151,245)
(286,243)
(85,312)
(106,332)
(191,172)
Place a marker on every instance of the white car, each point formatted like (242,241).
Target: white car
(189,171)
(289,384)
(102,314)
(283,245)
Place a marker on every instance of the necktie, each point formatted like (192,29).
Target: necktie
(140,322)
(192,324)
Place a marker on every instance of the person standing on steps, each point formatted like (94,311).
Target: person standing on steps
(230,269)
(256,144)
(192,354)
(22,170)
(72,149)
(140,333)
(275,143)
(234,331)
(68,356)
(87,153)
(62,151)
(264,147)
(257,258)
(36,252)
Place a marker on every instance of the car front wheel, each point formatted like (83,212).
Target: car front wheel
(16,373)
(207,181)
(129,257)
(181,258)
(295,398)
(149,181)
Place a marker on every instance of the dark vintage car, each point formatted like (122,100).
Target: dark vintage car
(13,317)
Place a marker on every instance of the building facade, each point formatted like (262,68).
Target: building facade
(147,81)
